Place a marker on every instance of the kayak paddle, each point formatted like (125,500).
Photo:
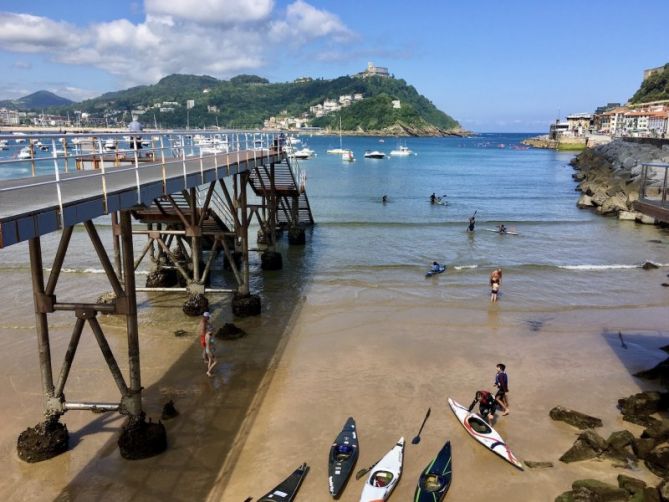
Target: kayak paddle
(362,472)
(416,440)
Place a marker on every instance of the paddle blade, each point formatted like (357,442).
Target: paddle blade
(415,440)
(361,473)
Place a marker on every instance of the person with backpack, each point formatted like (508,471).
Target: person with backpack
(487,405)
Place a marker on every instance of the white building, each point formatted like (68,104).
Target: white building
(658,123)
(374,71)
(396,104)
(190,103)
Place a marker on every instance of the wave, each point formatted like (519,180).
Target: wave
(607,267)
(464,267)
(92,271)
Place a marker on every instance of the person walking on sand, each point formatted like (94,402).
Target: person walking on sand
(487,405)
(502,384)
(211,352)
(203,329)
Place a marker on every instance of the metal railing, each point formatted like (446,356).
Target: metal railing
(654,177)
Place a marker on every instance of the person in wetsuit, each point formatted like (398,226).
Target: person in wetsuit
(487,405)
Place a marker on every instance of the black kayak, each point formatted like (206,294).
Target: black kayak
(343,456)
(430,273)
(435,480)
(287,489)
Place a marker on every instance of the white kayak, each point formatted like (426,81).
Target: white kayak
(496,230)
(385,475)
(483,433)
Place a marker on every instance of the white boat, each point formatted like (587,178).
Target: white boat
(25,153)
(403,151)
(480,430)
(341,150)
(293,140)
(347,156)
(385,475)
(110,144)
(375,154)
(213,150)
(3,144)
(303,153)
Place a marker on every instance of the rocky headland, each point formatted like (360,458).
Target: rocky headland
(609,177)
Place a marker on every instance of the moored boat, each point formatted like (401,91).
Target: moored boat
(385,475)
(303,153)
(435,480)
(480,430)
(374,155)
(348,156)
(402,151)
(287,489)
(343,456)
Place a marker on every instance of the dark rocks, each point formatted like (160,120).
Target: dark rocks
(642,447)
(162,278)
(597,491)
(659,431)
(538,465)
(644,403)
(42,442)
(230,332)
(588,445)
(196,305)
(296,236)
(107,298)
(140,439)
(575,418)
(649,265)
(169,411)
(657,460)
(630,484)
(180,332)
(245,305)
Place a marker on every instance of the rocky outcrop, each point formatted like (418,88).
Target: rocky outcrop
(609,177)
(575,418)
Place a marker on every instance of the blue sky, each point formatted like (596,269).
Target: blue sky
(507,65)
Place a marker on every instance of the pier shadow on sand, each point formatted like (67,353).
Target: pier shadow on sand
(207,435)
(638,351)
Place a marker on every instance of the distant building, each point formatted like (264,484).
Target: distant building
(658,123)
(396,104)
(302,80)
(205,91)
(374,71)
(190,103)
(357,96)
(557,129)
(651,71)
(579,123)
(9,117)
(606,108)
(212,108)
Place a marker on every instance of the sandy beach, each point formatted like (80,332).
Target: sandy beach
(385,360)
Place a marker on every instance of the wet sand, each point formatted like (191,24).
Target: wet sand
(385,359)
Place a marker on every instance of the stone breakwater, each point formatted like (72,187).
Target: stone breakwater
(609,177)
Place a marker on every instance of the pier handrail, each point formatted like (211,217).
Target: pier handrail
(646,180)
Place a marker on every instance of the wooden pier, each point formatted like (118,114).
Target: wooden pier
(191,198)
(654,192)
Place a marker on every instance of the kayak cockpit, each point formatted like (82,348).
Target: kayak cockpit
(381,479)
(432,482)
(479,425)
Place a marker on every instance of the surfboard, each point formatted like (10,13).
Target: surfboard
(508,232)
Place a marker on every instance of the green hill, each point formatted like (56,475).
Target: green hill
(35,101)
(654,88)
(246,101)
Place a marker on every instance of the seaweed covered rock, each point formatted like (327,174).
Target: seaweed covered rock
(575,418)
(42,442)
(230,332)
(196,305)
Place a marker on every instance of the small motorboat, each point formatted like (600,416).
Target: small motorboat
(480,430)
(385,475)
(25,153)
(402,151)
(435,480)
(375,154)
(303,153)
(287,489)
(343,456)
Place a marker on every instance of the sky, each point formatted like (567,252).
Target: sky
(502,66)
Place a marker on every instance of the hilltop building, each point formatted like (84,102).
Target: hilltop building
(651,71)
(374,71)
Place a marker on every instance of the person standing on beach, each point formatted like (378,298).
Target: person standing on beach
(495,283)
(210,350)
(502,384)
(203,329)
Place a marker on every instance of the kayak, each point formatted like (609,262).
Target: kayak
(435,480)
(385,475)
(287,489)
(508,232)
(484,433)
(430,273)
(343,456)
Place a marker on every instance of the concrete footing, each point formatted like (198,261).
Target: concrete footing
(271,260)
(245,306)
(140,439)
(42,442)
(196,305)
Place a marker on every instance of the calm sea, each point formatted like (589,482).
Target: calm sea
(562,258)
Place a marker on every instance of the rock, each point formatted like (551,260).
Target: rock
(140,439)
(230,332)
(565,497)
(642,447)
(627,215)
(584,201)
(597,491)
(663,490)
(659,431)
(246,305)
(162,278)
(180,332)
(107,298)
(661,372)
(631,485)
(650,494)
(658,460)
(575,418)
(665,284)
(614,204)
(537,465)
(643,403)
(588,445)
(42,442)
(649,265)
(169,411)
(642,420)
(645,219)
(196,305)
(620,439)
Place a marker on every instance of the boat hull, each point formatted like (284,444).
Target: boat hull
(344,454)
(287,489)
(435,480)
(385,475)
(483,433)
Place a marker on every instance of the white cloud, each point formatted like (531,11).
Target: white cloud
(212,11)
(220,38)
(22,65)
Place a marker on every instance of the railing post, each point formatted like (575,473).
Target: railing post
(139,190)
(664,186)
(104,177)
(162,162)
